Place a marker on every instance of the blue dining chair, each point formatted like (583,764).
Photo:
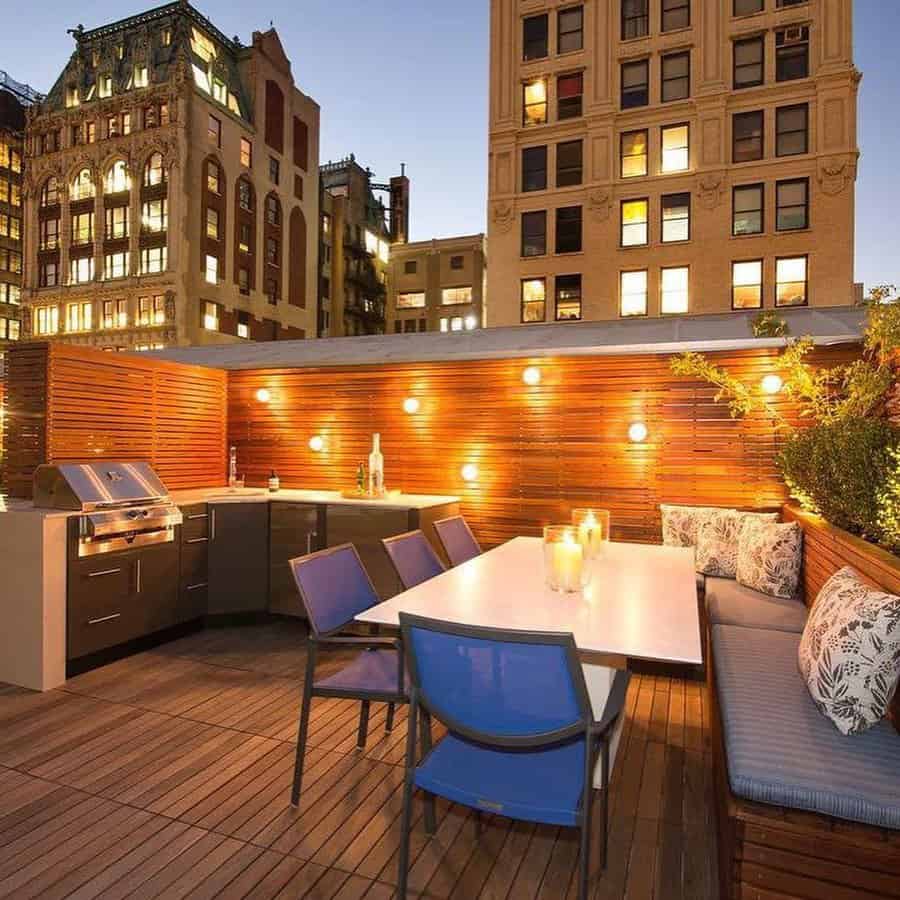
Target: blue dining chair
(413,558)
(521,739)
(334,588)
(457,540)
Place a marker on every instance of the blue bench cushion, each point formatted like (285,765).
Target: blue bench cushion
(782,750)
(730,603)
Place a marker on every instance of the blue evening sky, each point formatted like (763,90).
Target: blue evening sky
(406,81)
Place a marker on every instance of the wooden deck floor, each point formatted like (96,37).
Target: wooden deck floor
(167,775)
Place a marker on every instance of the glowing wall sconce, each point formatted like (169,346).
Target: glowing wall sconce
(263,395)
(469,472)
(317,443)
(772,384)
(532,376)
(411,405)
(637,432)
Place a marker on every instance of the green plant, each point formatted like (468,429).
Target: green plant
(768,324)
(849,472)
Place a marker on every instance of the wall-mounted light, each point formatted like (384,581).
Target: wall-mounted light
(411,405)
(263,395)
(772,384)
(317,443)
(532,376)
(637,432)
(469,472)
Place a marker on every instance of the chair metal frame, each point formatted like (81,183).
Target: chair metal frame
(385,542)
(436,525)
(333,640)
(596,734)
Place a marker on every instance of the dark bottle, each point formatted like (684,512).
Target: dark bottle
(274,482)
(361,478)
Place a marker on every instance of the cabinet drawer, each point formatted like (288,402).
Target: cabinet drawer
(95,585)
(110,621)
(192,602)
(195,527)
(195,561)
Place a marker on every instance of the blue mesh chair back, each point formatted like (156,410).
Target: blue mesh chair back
(497,686)
(413,558)
(334,587)
(457,540)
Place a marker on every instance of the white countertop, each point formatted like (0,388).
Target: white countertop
(254,495)
(641,601)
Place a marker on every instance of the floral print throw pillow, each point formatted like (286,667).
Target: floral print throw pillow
(850,652)
(679,524)
(718,540)
(770,556)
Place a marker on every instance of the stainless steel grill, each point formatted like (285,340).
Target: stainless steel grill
(122,504)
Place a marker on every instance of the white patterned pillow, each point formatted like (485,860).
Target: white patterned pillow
(718,540)
(770,556)
(850,652)
(679,524)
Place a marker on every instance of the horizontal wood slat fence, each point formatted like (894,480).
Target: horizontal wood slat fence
(539,450)
(68,403)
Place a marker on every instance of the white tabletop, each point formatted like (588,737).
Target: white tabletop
(641,601)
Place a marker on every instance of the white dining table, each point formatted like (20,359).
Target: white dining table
(640,603)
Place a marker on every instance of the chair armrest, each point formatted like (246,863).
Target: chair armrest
(371,641)
(615,702)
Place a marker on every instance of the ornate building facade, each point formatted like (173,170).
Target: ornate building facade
(670,157)
(171,189)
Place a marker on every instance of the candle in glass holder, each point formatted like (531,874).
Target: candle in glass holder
(564,559)
(593,530)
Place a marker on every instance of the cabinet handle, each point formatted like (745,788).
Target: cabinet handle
(198,516)
(197,587)
(138,572)
(104,572)
(201,540)
(212,525)
(104,619)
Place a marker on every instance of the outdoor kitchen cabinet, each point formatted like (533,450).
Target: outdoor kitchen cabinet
(194,570)
(238,558)
(295,529)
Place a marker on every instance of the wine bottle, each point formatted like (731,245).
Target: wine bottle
(376,468)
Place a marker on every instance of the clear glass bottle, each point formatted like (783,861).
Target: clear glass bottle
(376,468)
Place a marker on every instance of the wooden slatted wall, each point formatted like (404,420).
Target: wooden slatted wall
(539,450)
(95,405)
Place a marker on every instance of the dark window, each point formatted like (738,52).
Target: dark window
(792,204)
(569,92)
(245,195)
(570,35)
(747,136)
(244,281)
(534,233)
(635,19)
(791,130)
(301,144)
(409,267)
(568,298)
(534,37)
(568,229)
(792,53)
(274,123)
(748,7)
(676,14)
(749,64)
(214,131)
(456,262)
(676,217)
(272,252)
(568,163)
(676,77)
(747,216)
(274,170)
(273,210)
(633,152)
(534,168)
(635,84)
(782,3)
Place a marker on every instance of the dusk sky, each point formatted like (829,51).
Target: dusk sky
(403,81)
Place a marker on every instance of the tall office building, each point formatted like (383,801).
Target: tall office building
(670,157)
(172,189)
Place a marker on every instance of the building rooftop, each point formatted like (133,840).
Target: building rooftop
(731,331)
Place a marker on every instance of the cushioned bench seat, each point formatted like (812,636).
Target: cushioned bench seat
(781,750)
(730,603)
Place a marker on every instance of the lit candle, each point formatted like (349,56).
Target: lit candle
(593,530)
(568,562)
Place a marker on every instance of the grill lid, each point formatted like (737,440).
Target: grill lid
(90,486)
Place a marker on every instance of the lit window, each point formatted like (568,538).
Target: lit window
(154,216)
(245,237)
(82,228)
(116,223)
(243,330)
(411,300)
(384,251)
(153,260)
(117,179)
(746,284)
(152,310)
(569,94)
(791,130)
(212,177)
(326,224)
(470,323)
(534,98)
(83,185)
(90,132)
(676,217)
(676,77)
(535,37)
(674,290)
(115,314)
(81,271)
(675,148)
(634,154)
(451,296)
(792,204)
(126,123)
(112,126)
(210,316)
(635,223)
(791,279)
(141,77)
(48,274)
(50,192)
(534,300)
(568,298)
(371,243)
(115,265)
(633,286)
(154,170)
(79,316)
(219,91)
(202,46)
(212,223)
(246,153)
(212,269)
(570,36)
(71,96)
(104,86)
(747,214)
(165,37)
(635,84)
(749,62)
(47,320)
